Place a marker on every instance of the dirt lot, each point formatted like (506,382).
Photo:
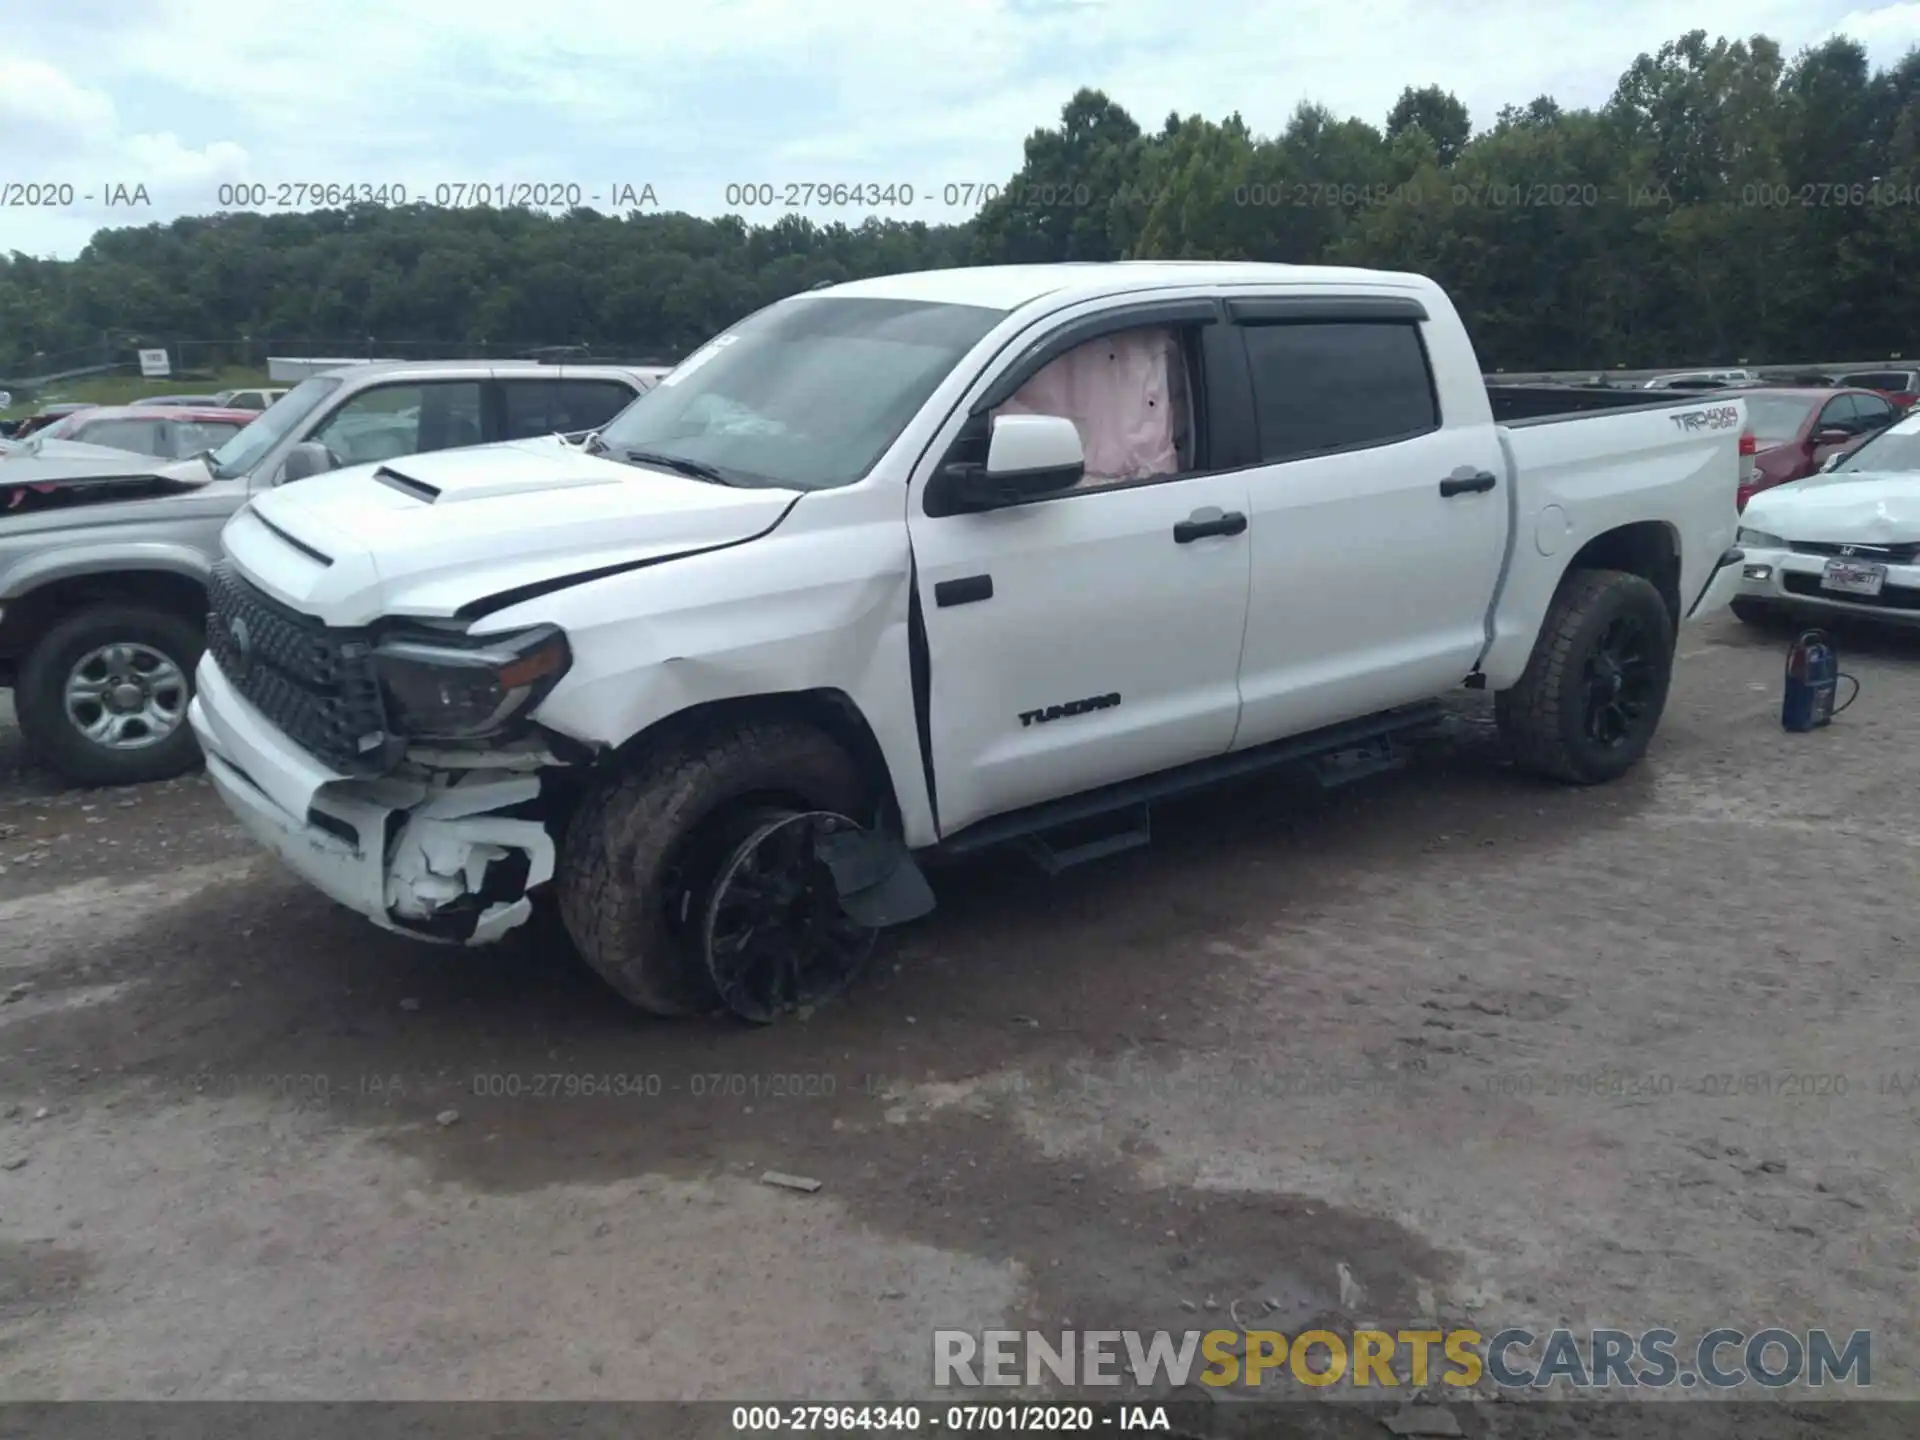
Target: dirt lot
(1110,1100)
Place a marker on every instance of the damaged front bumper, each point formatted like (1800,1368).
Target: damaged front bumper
(433,860)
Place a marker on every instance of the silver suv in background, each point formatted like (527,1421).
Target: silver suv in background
(104,559)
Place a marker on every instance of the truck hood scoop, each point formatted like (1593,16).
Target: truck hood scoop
(464,532)
(494,472)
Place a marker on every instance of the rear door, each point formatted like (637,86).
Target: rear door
(1379,518)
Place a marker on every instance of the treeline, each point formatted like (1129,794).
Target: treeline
(1726,203)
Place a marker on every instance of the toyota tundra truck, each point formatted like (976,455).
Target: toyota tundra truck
(910,566)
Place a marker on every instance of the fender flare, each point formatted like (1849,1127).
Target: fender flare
(70,562)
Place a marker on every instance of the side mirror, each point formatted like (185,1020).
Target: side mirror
(1027,456)
(309,457)
(1832,461)
(1831,435)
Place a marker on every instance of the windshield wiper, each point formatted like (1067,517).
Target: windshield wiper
(691,468)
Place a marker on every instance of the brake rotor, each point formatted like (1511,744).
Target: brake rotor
(774,934)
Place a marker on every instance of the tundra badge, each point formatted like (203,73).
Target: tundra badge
(1072,707)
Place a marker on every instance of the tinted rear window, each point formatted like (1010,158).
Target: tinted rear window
(560,407)
(1333,386)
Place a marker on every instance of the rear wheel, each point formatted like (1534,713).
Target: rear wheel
(1595,687)
(102,698)
(679,861)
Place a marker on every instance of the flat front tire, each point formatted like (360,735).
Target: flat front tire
(1596,684)
(643,850)
(102,697)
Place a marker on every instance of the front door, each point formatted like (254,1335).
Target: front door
(1087,637)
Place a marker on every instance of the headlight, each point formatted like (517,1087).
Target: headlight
(1760,540)
(455,689)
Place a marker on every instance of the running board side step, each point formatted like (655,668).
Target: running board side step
(1067,846)
(1357,762)
(1336,754)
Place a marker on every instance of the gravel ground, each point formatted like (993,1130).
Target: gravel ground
(282,1156)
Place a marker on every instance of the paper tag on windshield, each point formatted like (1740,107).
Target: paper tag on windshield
(699,357)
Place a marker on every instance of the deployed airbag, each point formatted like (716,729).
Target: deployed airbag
(1117,391)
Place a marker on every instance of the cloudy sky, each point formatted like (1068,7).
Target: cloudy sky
(183,96)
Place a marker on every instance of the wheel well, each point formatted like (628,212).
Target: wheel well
(29,617)
(1648,548)
(830,711)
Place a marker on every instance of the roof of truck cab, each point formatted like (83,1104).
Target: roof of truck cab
(1007,287)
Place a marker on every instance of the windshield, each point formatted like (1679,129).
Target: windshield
(249,446)
(65,427)
(1876,380)
(1895,449)
(1776,419)
(807,393)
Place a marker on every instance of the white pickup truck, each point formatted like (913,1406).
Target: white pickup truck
(914,565)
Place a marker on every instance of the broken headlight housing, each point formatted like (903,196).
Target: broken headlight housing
(457,688)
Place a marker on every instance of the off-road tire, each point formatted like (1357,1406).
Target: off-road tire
(1543,717)
(632,836)
(40,702)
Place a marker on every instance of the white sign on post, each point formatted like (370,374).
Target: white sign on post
(154,365)
(6,398)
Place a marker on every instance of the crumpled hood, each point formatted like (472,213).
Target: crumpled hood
(431,535)
(1863,506)
(76,473)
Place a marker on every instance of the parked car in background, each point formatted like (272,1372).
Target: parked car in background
(46,416)
(1697,379)
(1796,429)
(1845,541)
(168,432)
(203,402)
(108,556)
(1901,387)
(249,399)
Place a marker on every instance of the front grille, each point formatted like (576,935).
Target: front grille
(316,685)
(1878,554)
(1891,597)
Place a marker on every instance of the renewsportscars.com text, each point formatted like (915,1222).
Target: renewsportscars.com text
(1721,1359)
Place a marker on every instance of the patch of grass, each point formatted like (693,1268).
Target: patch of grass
(131,389)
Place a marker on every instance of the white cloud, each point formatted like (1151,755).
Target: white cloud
(1886,32)
(185,95)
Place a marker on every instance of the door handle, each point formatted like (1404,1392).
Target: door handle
(1210,521)
(1467,482)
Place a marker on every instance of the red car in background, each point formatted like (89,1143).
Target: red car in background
(1794,430)
(1901,387)
(169,432)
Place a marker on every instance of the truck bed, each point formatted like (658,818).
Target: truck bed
(1668,469)
(1542,404)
